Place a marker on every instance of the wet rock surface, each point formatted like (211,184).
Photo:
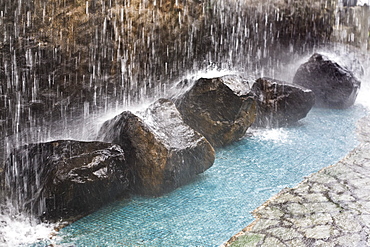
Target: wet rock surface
(65,179)
(221,109)
(163,151)
(334,86)
(280,103)
(329,208)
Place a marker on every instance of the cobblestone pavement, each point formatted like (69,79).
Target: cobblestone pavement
(329,208)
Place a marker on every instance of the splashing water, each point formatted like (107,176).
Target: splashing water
(276,135)
(138,75)
(22,230)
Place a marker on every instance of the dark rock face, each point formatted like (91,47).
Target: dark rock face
(163,151)
(333,85)
(216,111)
(280,103)
(65,179)
(349,3)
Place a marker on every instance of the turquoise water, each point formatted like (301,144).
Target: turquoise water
(217,204)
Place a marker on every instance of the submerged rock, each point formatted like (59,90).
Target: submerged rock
(280,103)
(334,86)
(163,151)
(221,109)
(66,179)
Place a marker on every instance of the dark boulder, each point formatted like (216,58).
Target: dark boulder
(280,103)
(221,109)
(163,151)
(334,86)
(65,179)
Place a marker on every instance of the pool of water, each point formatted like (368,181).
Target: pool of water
(217,204)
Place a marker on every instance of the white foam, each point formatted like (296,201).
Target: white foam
(17,230)
(277,135)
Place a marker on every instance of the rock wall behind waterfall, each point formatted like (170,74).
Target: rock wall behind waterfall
(353,26)
(62,59)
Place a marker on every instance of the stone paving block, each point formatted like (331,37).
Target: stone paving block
(350,240)
(339,171)
(322,178)
(319,188)
(302,188)
(365,220)
(347,222)
(295,242)
(321,243)
(329,207)
(318,232)
(312,220)
(315,197)
(311,208)
(287,197)
(355,207)
(338,187)
(271,212)
(262,224)
(248,239)
(341,197)
(273,242)
(360,182)
(362,193)
(283,233)
(298,209)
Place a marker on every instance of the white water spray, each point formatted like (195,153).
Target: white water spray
(22,230)
(16,229)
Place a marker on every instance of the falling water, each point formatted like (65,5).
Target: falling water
(67,65)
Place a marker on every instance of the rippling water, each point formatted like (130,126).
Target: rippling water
(217,204)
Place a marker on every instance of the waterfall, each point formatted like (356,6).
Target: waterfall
(65,65)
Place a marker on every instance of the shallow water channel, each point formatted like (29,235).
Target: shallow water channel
(209,210)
